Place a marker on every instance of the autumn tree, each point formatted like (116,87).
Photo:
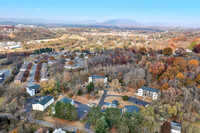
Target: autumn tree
(171,94)
(196,48)
(143,51)
(167,51)
(166,128)
(180,64)
(192,64)
(115,85)
(157,68)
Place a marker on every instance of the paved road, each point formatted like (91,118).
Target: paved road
(101,103)
(31,78)
(7,115)
(6,72)
(114,96)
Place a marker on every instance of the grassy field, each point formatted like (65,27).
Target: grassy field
(27,59)
(1,100)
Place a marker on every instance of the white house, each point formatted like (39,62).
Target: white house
(32,90)
(176,127)
(95,78)
(59,130)
(150,92)
(43,103)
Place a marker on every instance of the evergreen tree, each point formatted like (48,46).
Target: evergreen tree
(101,126)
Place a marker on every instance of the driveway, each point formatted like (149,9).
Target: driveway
(101,103)
(32,74)
(7,73)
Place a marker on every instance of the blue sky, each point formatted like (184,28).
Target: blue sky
(100,10)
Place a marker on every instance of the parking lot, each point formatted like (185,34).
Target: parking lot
(30,101)
(138,101)
(6,73)
(82,110)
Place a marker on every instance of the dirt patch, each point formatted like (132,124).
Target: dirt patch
(148,99)
(113,130)
(63,121)
(83,99)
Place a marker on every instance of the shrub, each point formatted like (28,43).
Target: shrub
(70,95)
(125,98)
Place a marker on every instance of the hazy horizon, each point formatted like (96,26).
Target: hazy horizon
(179,12)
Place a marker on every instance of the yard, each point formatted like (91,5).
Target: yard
(64,122)
(84,100)
(131,92)
(121,102)
(1,100)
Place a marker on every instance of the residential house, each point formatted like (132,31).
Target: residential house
(149,92)
(59,130)
(130,109)
(19,78)
(33,89)
(94,78)
(114,104)
(44,76)
(43,103)
(24,67)
(67,100)
(176,127)
(44,67)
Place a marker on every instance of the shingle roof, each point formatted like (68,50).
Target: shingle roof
(66,100)
(131,108)
(115,102)
(176,126)
(149,89)
(35,86)
(97,77)
(45,99)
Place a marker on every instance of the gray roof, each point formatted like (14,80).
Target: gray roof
(24,66)
(176,126)
(114,102)
(35,86)
(131,108)
(19,76)
(149,89)
(44,65)
(97,77)
(66,100)
(45,99)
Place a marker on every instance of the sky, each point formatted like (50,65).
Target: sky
(176,11)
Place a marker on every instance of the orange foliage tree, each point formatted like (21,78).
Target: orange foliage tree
(167,51)
(180,64)
(193,64)
(157,68)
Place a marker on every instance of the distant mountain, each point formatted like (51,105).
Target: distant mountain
(122,22)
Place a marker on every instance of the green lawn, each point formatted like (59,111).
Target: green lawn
(1,100)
